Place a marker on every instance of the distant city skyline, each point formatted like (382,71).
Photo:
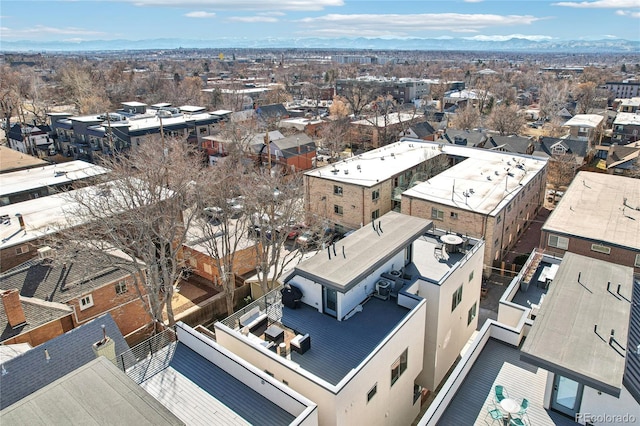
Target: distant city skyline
(491,20)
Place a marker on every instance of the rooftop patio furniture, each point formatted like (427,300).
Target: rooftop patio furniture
(501,393)
(516,421)
(495,413)
(301,343)
(523,408)
(254,320)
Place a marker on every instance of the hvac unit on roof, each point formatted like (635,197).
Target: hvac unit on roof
(383,289)
(44,252)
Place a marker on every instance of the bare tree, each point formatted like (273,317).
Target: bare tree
(334,134)
(144,214)
(506,119)
(274,206)
(223,226)
(562,170)
(84,89)
(467,117)
(358,96)
(553,97)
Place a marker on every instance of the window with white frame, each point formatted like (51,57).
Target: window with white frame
(456,298)
(399,366)
(22,249)
(121,287)
(599,248)
(375,214)
(375,194)
(558,242)
(454,215)
(337,190)
(637,263)
(437,214)
(86,302)
(338,210)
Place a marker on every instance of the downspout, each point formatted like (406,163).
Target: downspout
(363,221)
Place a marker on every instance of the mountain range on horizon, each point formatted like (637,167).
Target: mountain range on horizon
(618,46)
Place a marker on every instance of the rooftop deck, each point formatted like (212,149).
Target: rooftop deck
(535,290)
(500,364)
(339,346)
(427,265)
(199,392)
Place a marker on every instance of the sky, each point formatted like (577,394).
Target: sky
(73,20)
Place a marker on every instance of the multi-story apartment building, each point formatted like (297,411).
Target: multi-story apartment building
(486,194)
(626,128)
(624,89)
(380,318)
(598,217)
(86,137)
(402,89)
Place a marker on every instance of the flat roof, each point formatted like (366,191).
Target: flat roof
(585,120)
(11,160)
(221,112)
(364,251)
(563,340)
(372,167)
(630,118)
(47,215)
(593,207)
(339,347)
(427,266)
(191,108)
(133,104)
(378,165)
(483,183)
(383,121)
(95,393)
(49,175)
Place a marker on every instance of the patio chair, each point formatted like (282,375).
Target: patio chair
(501,393)
(495,413)
(523,408)
(516,421)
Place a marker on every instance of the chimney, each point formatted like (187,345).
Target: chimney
(105,347)
(13,307)
(21,220)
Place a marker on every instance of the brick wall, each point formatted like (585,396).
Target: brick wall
(127,310)
(43,333)
(582,246)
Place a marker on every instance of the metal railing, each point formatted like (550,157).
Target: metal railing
(149,357)
(271,303)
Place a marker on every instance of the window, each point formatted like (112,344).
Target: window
(471,314)
(558,242)
(86,302)
(456,298)
(637,264)
(337,190)
(337,209)
(375,214)
(471,276)
(600,248)
(121,287)
(22,249)
(508,208)
(454,215)
(498,219)
(372,392)
(375,194)
(399,366)
(437,214)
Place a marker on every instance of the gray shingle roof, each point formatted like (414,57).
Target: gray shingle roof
(30,371)
(49,281)
(573,146)
(37,314)
(510,143)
